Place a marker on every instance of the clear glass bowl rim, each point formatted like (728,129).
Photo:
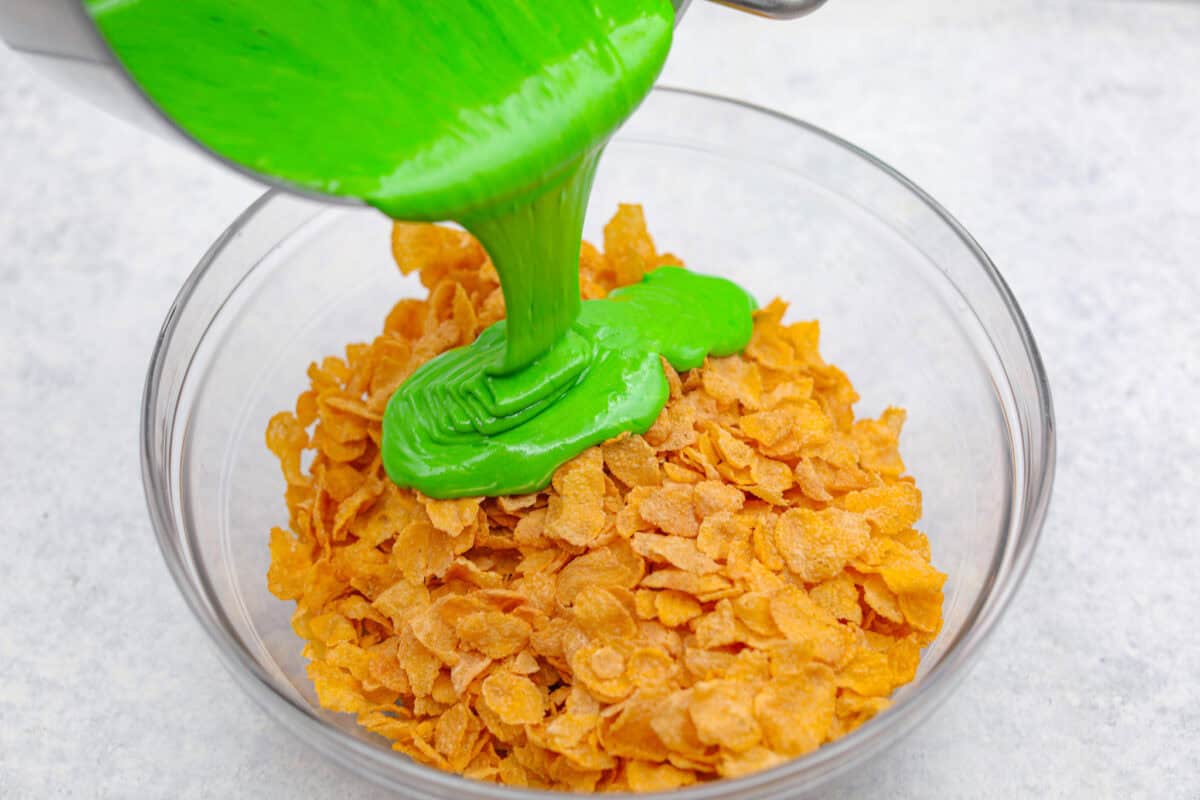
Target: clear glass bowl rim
(799,775)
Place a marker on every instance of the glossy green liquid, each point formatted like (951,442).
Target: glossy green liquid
(472,433)
(492,113)
(427,109)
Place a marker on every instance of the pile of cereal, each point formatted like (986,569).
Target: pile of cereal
(730,590)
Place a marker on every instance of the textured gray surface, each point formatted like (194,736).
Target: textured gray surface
(1064,135)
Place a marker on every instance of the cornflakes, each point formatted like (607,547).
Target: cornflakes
(735,587)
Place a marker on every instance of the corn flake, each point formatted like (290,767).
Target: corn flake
(817,545)
(733,588)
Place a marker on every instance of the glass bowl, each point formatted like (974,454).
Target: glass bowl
(911,308)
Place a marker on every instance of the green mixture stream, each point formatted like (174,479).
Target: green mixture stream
(491,113)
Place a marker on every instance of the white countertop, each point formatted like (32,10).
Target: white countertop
(1065,135)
